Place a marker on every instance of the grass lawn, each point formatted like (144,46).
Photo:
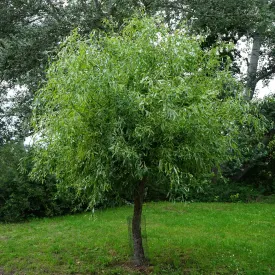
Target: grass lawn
(197,238)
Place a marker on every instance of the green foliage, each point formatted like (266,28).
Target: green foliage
(231,20)
(228,18)
(22,198)
(141,103)
(18,195)
(255,165)
(30,32)
(223,191)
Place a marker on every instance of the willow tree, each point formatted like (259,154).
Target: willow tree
(123,110)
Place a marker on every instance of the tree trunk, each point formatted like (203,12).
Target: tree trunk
(253,66)
(139,257)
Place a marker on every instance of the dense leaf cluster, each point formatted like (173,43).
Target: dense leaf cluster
(22,198)
(141,103)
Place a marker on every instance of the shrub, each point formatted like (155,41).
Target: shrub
(22,198)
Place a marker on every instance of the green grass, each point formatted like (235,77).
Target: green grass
(197,238)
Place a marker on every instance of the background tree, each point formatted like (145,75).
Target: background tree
(20,197)
(229,21)
(126,110)
(31,31)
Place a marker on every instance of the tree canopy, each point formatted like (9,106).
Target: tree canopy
(127,109)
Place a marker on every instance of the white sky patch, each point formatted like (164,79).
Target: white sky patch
(28,141)
(9,102)
(262,90)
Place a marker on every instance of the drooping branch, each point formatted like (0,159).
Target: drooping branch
(265,74)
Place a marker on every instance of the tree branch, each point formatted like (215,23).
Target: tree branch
(265,74)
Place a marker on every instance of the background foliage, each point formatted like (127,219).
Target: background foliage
(31,32)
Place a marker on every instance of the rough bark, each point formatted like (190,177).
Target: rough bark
(253,66)
(139,256)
